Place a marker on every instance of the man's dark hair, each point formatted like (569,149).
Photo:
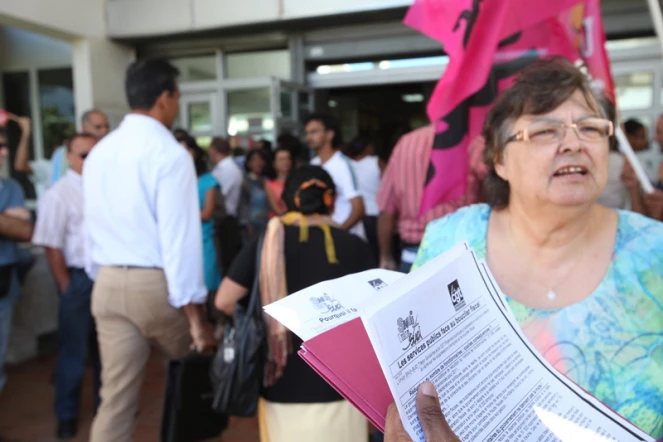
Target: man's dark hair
(329,123)
(357,146)
(632,126)
(180,134)
(221,145)
(311,199)
(292,143)
(76,136)
(146,80)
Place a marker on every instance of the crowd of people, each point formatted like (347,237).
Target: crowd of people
(143,260)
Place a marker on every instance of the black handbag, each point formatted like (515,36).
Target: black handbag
(187,411)
(239,364)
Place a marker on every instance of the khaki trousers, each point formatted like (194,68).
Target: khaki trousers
(131,309)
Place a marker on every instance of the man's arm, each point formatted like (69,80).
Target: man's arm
(58,266)
(181,241)
(386,229)
(15,228)
(357,214)
(21,160)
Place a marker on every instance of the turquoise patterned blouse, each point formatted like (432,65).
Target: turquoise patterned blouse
(611,343)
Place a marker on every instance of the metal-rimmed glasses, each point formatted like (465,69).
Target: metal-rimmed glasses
(548,132)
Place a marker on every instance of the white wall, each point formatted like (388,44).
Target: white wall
(62,18)
(21,50)
(127,18)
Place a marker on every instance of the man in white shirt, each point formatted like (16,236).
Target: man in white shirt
(323,138)
(227,173)
(143,236)
(93,122)
(230,177)
(59,230)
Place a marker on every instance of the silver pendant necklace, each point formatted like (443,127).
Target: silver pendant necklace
(551,295)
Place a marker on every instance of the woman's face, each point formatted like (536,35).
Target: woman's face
(568,172)
(283,162)
(256,164)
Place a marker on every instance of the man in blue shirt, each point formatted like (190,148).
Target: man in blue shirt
(15,226)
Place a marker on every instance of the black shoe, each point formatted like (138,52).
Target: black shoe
(67,429)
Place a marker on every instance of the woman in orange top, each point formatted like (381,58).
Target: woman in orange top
(282,166)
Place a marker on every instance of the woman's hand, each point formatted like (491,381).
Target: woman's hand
(432,421)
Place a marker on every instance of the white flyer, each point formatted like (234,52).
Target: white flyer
(328,304)
(447,323)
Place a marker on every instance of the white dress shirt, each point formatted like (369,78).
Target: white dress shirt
(367,171)
(230,178)
(141,207)
(342,173)
(60,219)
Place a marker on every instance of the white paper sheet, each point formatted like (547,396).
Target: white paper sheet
(328,304)
(447,323)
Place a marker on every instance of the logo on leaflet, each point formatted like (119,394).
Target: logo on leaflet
(326,304)
(409,331)
(456,295)
(378,284)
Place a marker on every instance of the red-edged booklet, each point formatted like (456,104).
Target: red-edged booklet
(345,358)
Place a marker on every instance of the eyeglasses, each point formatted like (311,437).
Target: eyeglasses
(548,132)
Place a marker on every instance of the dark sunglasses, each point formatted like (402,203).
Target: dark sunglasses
(83,155)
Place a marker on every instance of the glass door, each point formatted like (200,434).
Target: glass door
(264,108)
(294,102)
(199,116)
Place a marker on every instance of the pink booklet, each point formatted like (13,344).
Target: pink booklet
(345,358)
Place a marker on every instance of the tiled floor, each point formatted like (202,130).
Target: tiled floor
(26,411)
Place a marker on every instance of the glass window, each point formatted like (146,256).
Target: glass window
(259,64)
(304,104)
(286,104)
(56,98)
(200,117)
(249,115)
(635,90)
(196,68)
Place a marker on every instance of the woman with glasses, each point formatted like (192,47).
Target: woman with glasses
(585,282)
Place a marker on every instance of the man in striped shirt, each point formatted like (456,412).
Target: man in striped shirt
(59,230)
(402,188)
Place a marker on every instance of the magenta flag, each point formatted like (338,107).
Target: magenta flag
(488,43)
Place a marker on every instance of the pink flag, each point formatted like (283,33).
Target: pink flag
(499,38)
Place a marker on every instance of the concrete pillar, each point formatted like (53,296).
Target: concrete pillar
(99,66)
